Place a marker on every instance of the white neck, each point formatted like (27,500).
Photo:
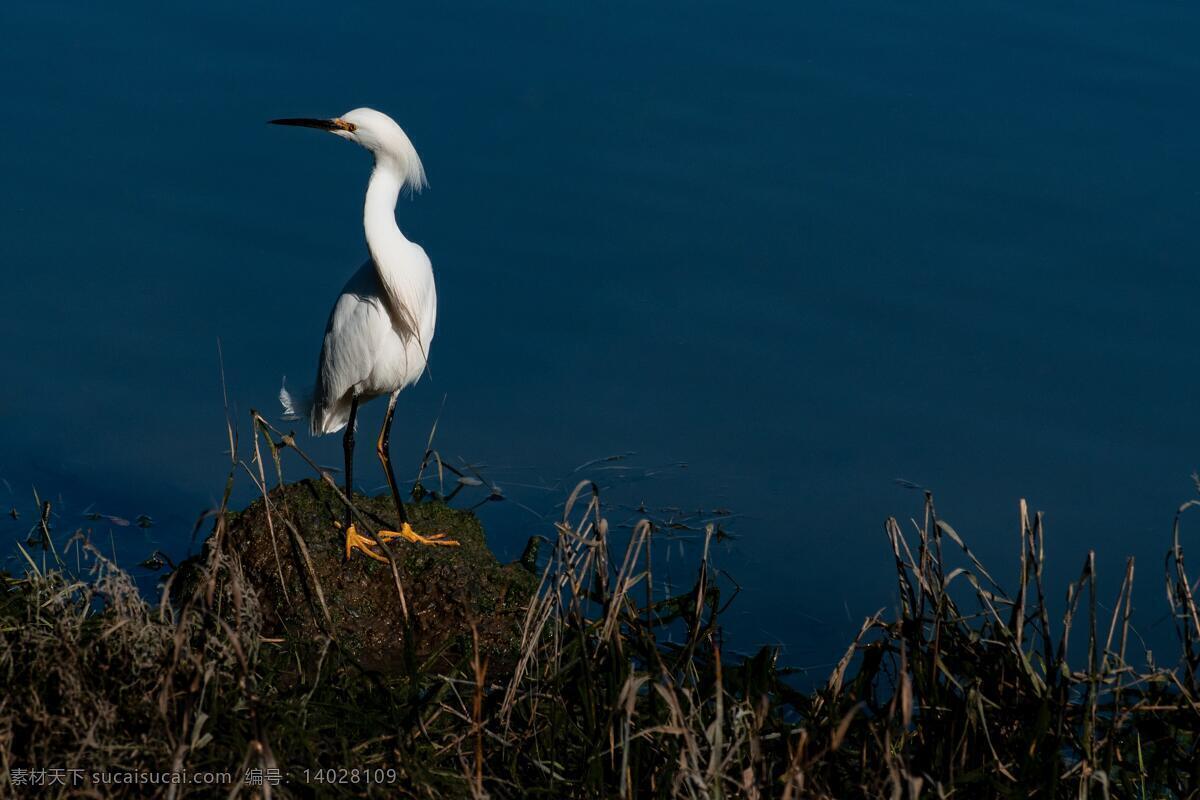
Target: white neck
(379,210)
(402,275)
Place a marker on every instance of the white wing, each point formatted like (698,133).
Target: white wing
(377,338)
(357,331)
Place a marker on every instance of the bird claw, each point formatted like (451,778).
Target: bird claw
(356,541)
(409,535)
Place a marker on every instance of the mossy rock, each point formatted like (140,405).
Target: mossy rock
(448,590)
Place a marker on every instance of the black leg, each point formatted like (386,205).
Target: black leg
(348,449)
(383,447)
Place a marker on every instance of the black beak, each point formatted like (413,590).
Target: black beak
(319,124)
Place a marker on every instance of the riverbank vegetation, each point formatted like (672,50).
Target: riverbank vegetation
(584,678)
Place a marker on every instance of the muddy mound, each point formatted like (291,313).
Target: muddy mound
(295,561)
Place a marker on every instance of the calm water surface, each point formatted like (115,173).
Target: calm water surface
(803,249)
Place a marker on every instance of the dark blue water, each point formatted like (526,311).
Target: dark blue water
(804,249)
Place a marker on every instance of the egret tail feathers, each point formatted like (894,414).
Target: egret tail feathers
(295,406)
(322,419)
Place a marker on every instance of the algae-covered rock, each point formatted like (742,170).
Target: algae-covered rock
(447,589)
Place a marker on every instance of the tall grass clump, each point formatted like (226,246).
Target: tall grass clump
(617,687)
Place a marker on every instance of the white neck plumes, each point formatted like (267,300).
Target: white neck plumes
(396,165)
(403,274)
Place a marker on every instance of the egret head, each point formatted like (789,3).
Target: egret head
(378,133)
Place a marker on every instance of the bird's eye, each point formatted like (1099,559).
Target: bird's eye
(346,126)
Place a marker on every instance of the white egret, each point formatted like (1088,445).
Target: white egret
(381,326)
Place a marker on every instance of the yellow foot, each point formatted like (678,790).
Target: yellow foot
(408,534)
(356,541)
